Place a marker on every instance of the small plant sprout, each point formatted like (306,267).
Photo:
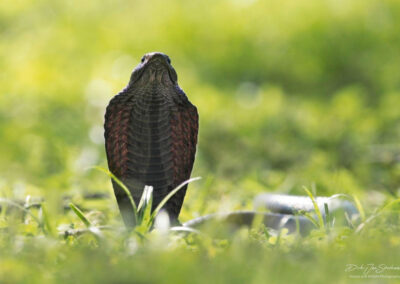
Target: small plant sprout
(143,215)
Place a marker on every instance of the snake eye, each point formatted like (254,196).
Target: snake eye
(169,60)
(143,58)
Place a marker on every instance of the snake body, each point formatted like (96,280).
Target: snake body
(151,135)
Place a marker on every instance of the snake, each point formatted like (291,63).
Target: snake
(151,131)
(150,135)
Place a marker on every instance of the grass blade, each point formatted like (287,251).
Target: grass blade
(124,188)
(359,207)
(145,210)
(316,208)
(46,220)
(166,198)
(22,208)
(376,214)
(353,199)
(327,216)
(310,218)
(390,204)
(80,214)
(145,196)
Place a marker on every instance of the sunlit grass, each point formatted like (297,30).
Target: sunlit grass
(290,94)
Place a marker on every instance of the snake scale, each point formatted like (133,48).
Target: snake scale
(151,135)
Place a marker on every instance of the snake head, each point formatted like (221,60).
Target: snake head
(155,67)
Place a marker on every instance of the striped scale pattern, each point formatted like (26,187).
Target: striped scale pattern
(151,137)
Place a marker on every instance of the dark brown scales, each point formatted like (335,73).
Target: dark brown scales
(151,136)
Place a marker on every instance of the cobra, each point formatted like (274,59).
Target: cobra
(150,136)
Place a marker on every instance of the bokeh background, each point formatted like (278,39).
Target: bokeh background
(289,93)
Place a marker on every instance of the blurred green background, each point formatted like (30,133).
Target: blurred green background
(290,94)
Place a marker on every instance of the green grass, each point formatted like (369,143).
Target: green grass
(291,94)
